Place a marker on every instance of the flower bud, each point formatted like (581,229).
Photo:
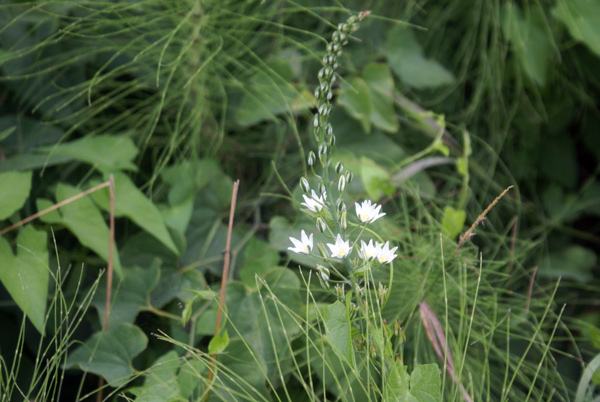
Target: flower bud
(317,93)
(311,158)
(322,189)
(349,176)
(304,185)
(321,225)
(339,167)
(316,121)
(342,184)
(331,140)
(343,220)
(322,250)
(323,275)
(340,292)
(322,152)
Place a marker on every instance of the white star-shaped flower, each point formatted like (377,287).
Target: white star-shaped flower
(341,248)
(368,212)
(386,255)
(314,202)
(302,246)
(369,251)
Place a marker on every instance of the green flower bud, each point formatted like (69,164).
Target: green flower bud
(304,185)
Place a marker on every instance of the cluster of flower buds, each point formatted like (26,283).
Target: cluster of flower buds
(323,130)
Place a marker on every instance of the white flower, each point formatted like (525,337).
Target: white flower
(386,255)
(314,202)
(340,249)
(303,246)
(369,251)
(368,212)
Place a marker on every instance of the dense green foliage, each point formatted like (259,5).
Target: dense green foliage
(437,108)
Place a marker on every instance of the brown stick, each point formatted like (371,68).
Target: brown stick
(54,207)
(109,274)
(224,277)
(436,337)
(469,233)
(530,291)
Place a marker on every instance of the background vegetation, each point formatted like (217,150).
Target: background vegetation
(437,109)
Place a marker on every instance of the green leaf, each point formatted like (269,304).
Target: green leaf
(32,161)
(187,178)
(381,86)
(259,257)
(5,133)
(355,98)
(26,276)
(572,262)
(270,94)
(132,203)
(453,221)
(530,42)
(218,343)
(383,115)
(83,219)
(582,18)
(161,382)
(133,294)
(405,57)
(378,77)
(423,385)
(106,153)
(337,325)
(109,354)
(15,190)
(266,315)
(376,180)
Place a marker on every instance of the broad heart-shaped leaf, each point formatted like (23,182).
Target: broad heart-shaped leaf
(572,262)
(106,153)
(26,275)
(187,178)
(15,190)
(355,98)
(270,94)
(381,86)
(84,220)
(530,42)
(259,257)
(109,354)
(132,203)
(258,316)
(582,18)
(423,385)
(453,221)
(161,381)
(379,79)
(130,295)
(337,325)
(376,179)
(405,57)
